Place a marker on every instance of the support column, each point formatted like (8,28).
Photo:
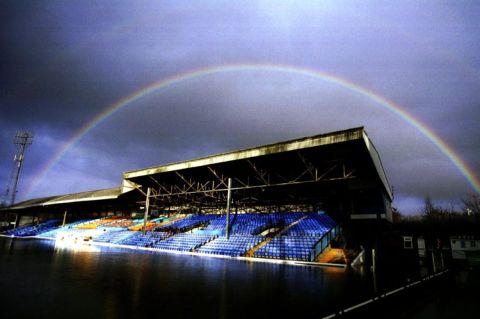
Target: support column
(147,207)
(17,220)
(229,199)
(374,261)
(64,218)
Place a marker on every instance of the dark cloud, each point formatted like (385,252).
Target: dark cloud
(62,63)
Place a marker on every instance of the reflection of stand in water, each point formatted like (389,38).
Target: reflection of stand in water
(11,245)
(374,272)
(384,297)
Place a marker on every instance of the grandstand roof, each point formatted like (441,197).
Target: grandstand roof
(96,195)
(306,170)
(36,202)
(300,164)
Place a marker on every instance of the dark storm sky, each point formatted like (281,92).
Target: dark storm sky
(64,62)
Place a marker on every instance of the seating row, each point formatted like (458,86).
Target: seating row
(313,225)
(123,223)
(141,240)
(286,247)
(253,223)
(187,222)
(236,245)
(113,237)
(92,224)
(34,230)
(183,242)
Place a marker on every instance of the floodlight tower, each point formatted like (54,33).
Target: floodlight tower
(22,140)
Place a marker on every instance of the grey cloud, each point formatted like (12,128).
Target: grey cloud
(62,63)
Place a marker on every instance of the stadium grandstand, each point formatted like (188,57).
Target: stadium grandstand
(287,201)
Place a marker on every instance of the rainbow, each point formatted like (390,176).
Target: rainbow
(447,150)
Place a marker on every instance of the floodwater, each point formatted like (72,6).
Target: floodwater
(39,280)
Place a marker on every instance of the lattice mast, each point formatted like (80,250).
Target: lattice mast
(22,140)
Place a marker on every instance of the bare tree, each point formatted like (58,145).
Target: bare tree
(471,204)
(429,209)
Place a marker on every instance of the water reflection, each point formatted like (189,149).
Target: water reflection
(112,283)
(75,247)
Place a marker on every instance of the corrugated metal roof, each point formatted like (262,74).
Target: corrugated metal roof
(102,194)
(292,145)
(277,152)
(36,202)
(378,165)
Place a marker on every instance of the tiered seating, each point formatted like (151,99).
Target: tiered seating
(187,223)
(314,225)
(141,240)
(216,223)
(286,247)
(122,223)
(34,230)
(285,218)
(299,241)
(66,233)
(96,223)
(151,224)
(52,233)
(75,223)
(160,222)
(183,242)
(298,235)
(250,224)
(236,245)
(325,219)
(113,237)
(67,228)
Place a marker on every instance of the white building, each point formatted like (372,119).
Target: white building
(462,246)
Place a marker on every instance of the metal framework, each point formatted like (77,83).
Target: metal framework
(263,179)
(309,172)
(211,188)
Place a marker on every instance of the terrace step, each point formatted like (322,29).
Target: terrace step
(332,255)
(252,251)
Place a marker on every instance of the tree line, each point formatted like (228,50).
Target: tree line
(447,220)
